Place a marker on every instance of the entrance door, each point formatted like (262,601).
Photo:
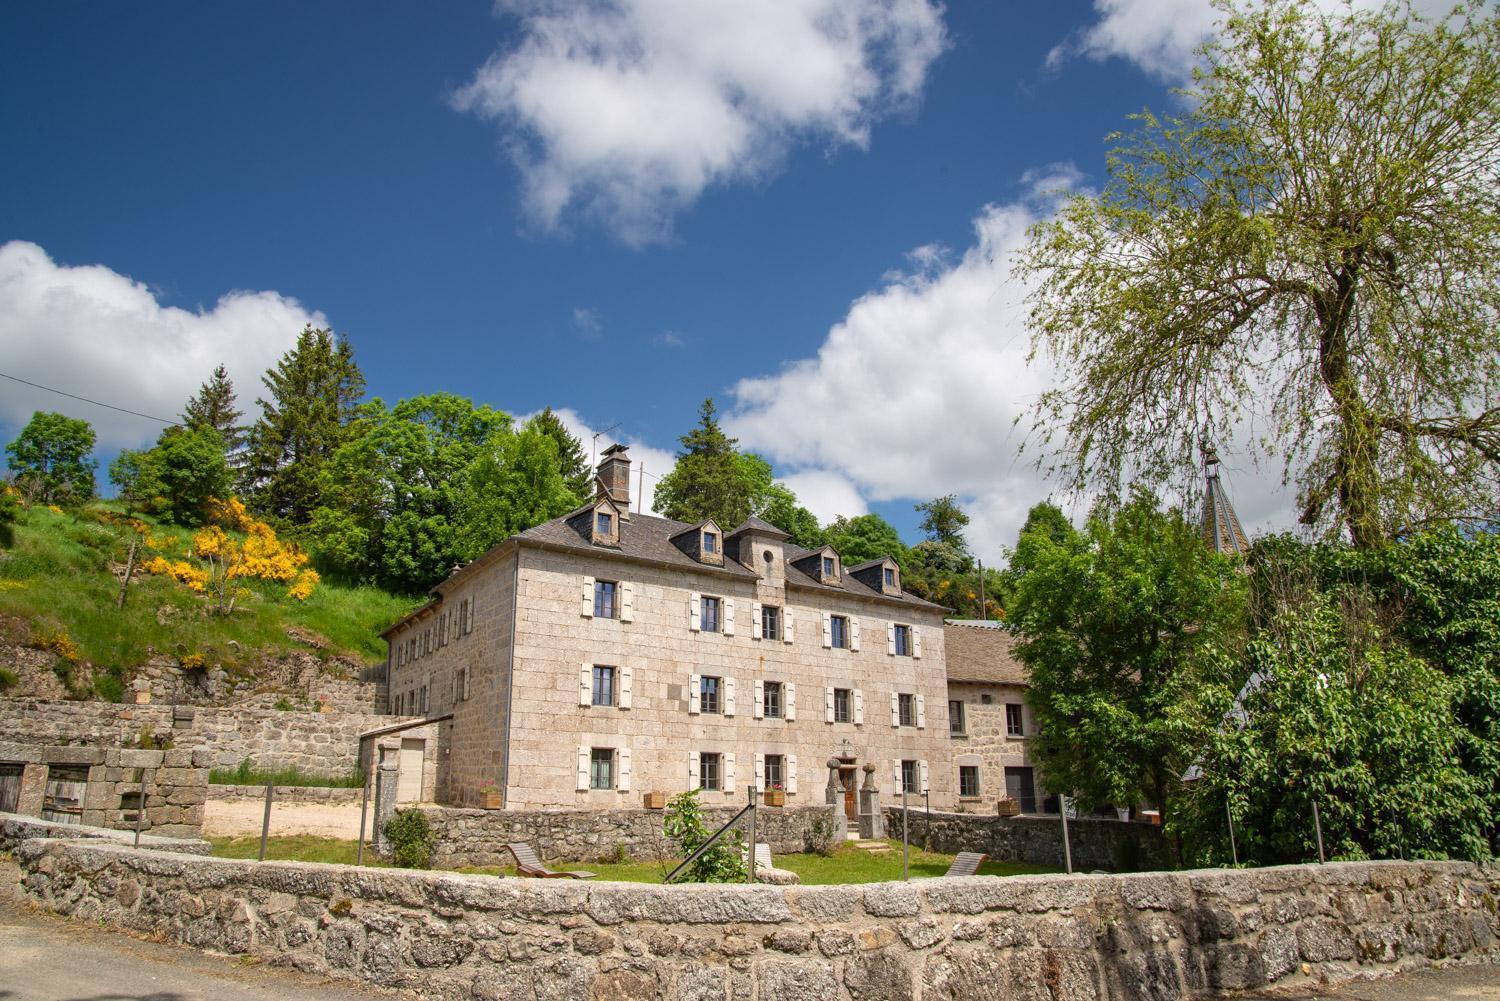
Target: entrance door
(848,776)
(10,786)
(1021,787)
(66,785)
(409,780)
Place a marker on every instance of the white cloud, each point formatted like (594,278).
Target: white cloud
(917,391)
(588,322)
(627,110)
(826,494)
(658,462)
(669,339)
(95,333)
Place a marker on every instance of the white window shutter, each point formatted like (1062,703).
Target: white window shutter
(586,685)
(890,639)
(760,699)
(755,620)
(921,712)
(828,704)
(627,602)
(760,770)
(916,641)
(896,774)
(588,598)
(695,606)
(791,774)
(854,633)
(925,786)
(895,709)
(583,769)
(728,696)
(790,696)
(729,772)
(827,631)
(859,706)
(693,781)
(693,705)
(786,624)
(728,616)
(622,780)
(626,678)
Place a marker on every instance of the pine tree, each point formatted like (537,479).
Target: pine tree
(576,474)
(712,479)
(313,392)
(213,408)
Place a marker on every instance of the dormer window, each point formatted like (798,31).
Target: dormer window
(829,566)
(604,523)
(710,542)
(890,577)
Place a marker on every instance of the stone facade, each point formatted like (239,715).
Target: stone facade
(102,786)
(987,742)
(1096,843)
(477,837)
(1148,937)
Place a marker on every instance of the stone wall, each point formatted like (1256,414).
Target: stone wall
(467,837)
(15,829)
(1090,938)
(303,678)
(1096,843)
(176,785)
(286,794)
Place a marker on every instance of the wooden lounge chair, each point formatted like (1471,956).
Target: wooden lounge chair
(966,864)
(528,864)
(762,857)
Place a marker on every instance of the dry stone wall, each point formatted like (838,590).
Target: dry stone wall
(103,786)
(1096,843)
(1145,937)
(287,794)
(14,829)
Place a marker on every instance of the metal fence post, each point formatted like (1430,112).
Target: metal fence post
(265,824)
(140,809)
(750,869)
(1233,850)
(1062,808)
(364,808)
(1318,830)
(905,832)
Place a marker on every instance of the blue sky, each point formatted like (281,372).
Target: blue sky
(615,212)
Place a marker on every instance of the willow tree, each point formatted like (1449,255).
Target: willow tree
(1306,259)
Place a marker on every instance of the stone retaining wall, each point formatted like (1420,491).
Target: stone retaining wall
(176,785)
(1096,843)
(468,837)
(15,829)
(286,794)
(1154,936)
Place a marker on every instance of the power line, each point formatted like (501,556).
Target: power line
(85,399)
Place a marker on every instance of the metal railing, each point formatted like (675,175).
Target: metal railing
(716,835)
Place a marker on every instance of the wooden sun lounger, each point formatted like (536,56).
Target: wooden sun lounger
(762,856)
(966,864)
(528,864)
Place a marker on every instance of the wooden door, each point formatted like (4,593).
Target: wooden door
(851,799)
(10,786)
(1021,787)
(409,780)
(63,802)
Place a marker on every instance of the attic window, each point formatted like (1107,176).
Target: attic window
(710,542)
(604,523)
(890,577)
(830,566)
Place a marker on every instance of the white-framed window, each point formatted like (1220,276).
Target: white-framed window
(843,705)
(710,694)
(710,542)
(906,709)
(1015,720)
(603,685)
(830,566)
(838,626)
(890,577)
(774,700)
(710,770)
(775,768)
(606,599)
(604,523)
(770,622)
(911,776)
(602,768)
(711,614)
(901,640)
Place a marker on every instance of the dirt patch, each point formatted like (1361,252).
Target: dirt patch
(230,817)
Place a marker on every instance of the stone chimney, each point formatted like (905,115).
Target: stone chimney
(614,477)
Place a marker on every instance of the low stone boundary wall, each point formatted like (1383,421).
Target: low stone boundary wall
(1153,936)
(1096,842)
(14,829)
(176,785)
(286,794)
(466,837)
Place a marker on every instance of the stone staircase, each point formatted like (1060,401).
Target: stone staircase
(873,847)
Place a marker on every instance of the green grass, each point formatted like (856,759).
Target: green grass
(246,774)
(57,577)
(846,865)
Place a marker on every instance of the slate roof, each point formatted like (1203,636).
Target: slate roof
(754,524)
(644,537)
(982,652)
(797,577)
(1221,526)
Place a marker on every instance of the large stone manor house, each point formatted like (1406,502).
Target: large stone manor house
(609,654)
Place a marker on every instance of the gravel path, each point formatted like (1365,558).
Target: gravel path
(241,816)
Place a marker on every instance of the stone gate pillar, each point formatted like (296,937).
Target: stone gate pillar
(386,776)
(833,796)
(871,817)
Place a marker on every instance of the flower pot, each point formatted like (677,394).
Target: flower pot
(492,799)
(1008,808)
(654,800)
(775,797)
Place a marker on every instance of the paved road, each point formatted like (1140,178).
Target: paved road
(1462,983)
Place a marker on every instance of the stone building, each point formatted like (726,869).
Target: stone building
(990,724)
(609,654)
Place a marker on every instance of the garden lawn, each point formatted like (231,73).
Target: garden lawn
(295,848)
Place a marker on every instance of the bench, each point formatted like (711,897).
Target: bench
(528,863)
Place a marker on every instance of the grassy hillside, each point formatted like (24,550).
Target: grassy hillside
(59,578)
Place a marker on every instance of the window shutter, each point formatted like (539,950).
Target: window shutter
(786,624)
(859,706)
(890,639)
(854,633)
(895,709)
(916,641)
(627,602)
(925,786)
(827,631)
(791,774)
(471,613)
(586,685)
(760,770)
(626,677)
(583,769)
(466,674)
(755,620)
(760,699)
(588,598)
(728,617)
(729,771)
(896,774)
(728,696)
(790,709)
(622,780)
(693,680)
(695,607)
(828,704)
(693,782)
(921,712)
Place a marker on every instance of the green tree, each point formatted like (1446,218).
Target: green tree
(571,462)
(683,825)
(10,513)
(212,407)
(312,395)
(51,459)
(1126,628)
(864,538)
(944,521)
(712,479)
(1319,233)
(187,466)
(136,483)
(783,511)
(511,488)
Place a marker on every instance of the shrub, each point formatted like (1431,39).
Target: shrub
(683,825)
(8,678)
(411,839)
(109,686)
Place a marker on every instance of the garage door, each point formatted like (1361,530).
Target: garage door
(409,784)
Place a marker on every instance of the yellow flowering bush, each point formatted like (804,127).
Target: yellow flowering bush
(181,570)
(260,555)
(54,509)
(230,514)
(193,661)
(302,589)
(60,643)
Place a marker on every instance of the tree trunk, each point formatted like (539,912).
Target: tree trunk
(1354,475)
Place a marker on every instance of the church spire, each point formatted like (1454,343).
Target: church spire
(1221,526)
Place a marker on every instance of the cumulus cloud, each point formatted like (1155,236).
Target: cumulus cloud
(627,110)
(657,461)
(826,494)
(916,393)
(96,333)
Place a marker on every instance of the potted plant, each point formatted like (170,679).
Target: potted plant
(774,796)
(489,795)
(654,800)
(1008,808)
